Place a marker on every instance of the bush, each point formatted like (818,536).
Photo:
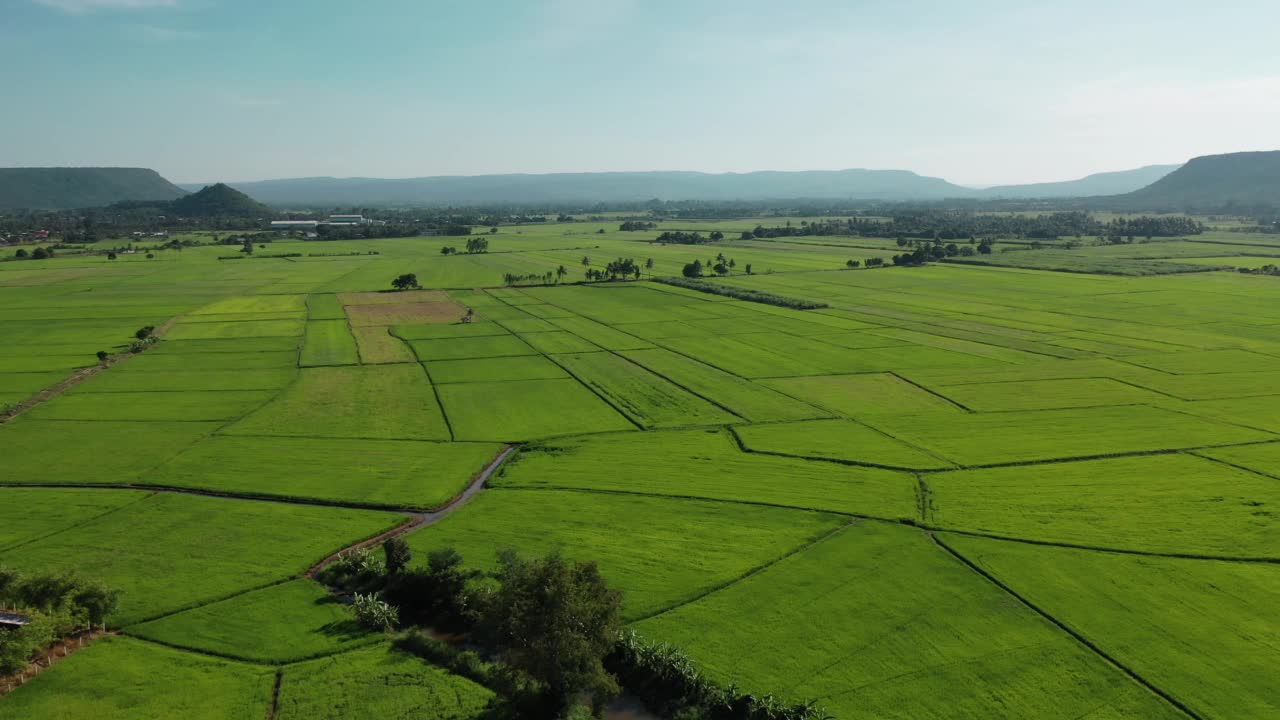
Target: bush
(374,613)
(741,293)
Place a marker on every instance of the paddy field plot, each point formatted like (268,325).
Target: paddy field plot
(448,332)
(525,367)
(124,679)
(648,399)
(200,361)
(292,621)
(471,347)
(170,551)
(328,342)
(1015,437)
(744,398)
(659,551)
(243,329)
(150,406)
(1213,386)
(526,410)
(377,682)
(47,511)
(1203,631)
(1263,459)
(377,346)
(39,451)
(862,395)
(841,440)
(124,379)
(1179,504)
(1208,361)
(559,341)
(372,401)
(388,473)
(1048,394)
(876,621)
(707,464)
(1254,412)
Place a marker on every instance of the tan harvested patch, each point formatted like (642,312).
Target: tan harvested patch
(414,313)
(392,298)
(378,347)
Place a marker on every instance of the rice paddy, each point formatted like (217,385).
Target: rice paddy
(958,491)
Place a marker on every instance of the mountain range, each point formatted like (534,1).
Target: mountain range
(1244,181)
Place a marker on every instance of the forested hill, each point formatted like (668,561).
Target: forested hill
(219,200)
(604,187)
(1241,181)
(63,188)
(1107,183)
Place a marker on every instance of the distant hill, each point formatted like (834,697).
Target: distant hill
(1107,183)
(604,187)
(1243,181)
(218,199)
(64,188)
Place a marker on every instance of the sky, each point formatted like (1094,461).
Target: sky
(977,92)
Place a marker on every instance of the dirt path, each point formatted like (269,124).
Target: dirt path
(421,520)
(78,377)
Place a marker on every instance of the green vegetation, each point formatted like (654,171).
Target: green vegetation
(526,409)
(296,620)
(845,621)
(124,679)
(381,401)
(377,682)
(56,188)
(1201,630)
(648,399)
(675,551)
(328,342)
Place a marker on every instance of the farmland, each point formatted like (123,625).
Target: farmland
(1044,486)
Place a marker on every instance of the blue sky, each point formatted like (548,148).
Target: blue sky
(976,92)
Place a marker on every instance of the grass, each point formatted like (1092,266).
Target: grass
(877,622)
(377,682)
(862,395)
(1164,504)
(169,552)
(380,401)
(836,440)
(390,473)
(377,346)
(470,348)
(708,464)
(57,451)
(292,621)
(124,679)
(1201,630)
(328,342)
(527,367)
(38,512)
(526,410)
(153,406)
(648,399)
(659,551)
(746,399)
(1015,437)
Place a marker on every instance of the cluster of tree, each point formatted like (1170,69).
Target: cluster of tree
(547,278)
(635,225)
(407,281)
(544,632)
(720,266)
(961,225)
(56,606)
(40,253)
(1264,270)
(678,237)
(477,245)
(869,262)
(742,293)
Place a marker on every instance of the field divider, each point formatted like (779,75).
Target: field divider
(1078,636)
(274,706)
(596,392)
(733,432)
(849,522)
(932,392)
(373,639)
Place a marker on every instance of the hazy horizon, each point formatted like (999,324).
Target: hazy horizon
(991,93)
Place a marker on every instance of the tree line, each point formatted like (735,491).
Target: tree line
(961,225)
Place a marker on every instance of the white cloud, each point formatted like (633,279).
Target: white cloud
(159,33)
(80,7)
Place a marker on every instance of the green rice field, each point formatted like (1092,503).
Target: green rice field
(1043,486)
